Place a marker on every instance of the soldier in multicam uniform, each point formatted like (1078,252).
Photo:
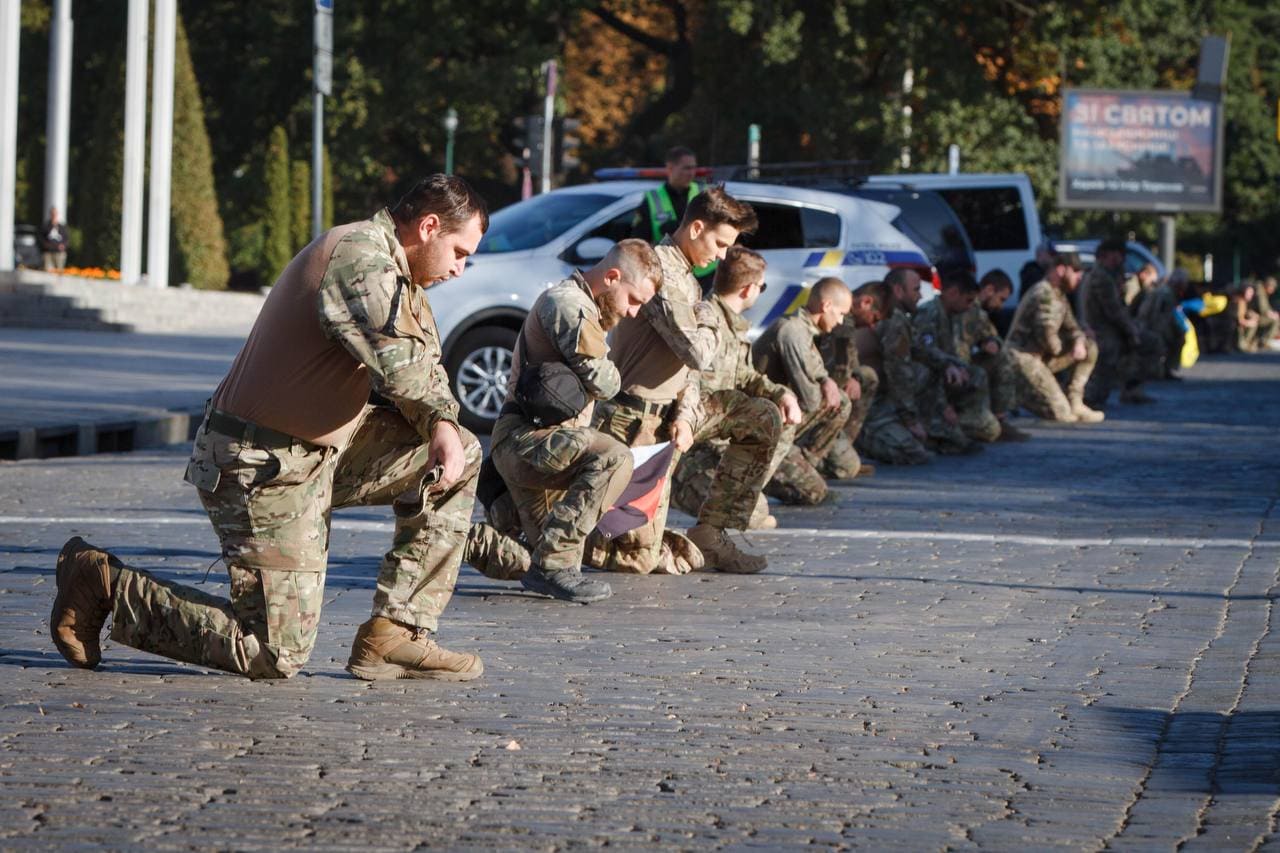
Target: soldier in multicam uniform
(660,355)
(944,339)
(859,381)
(1042,330)
(724,456)
(894,432)
(788,353)
(562,478)
(1124,348)
(289,436)
(979,343)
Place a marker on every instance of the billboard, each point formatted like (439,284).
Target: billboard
(1129,150)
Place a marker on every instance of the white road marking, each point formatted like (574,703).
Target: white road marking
(355,525)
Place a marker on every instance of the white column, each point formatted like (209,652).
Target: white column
(161,143)
(135,142)
(10,25)
(58,121)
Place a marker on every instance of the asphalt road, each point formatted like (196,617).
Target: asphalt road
(1064,643)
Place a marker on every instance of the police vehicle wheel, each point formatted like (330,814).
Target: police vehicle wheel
(478,367)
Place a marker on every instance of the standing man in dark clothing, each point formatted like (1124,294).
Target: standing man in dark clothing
(662,209)
(53,242)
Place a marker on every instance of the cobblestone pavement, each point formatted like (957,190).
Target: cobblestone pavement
(1066,643)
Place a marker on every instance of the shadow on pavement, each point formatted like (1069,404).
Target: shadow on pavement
(1208,752)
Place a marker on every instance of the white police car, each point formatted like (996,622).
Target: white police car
(804,234)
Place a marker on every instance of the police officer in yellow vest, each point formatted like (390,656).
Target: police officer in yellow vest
(662,209)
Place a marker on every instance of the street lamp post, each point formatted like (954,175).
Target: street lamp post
(450,128)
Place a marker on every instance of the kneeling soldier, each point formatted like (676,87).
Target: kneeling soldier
(939,339)
(291,436)
(721,478)
(787,352)
(660,355)
(563,477)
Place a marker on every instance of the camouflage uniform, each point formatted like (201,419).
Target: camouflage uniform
(270,497)
(974,330)
(940,338)
(1124,349)
(686,328)
(885,435)
(840,354)
(562,478)
(742,430)
(1041,337)
(787,352)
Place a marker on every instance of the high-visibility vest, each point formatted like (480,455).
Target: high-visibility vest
(662,211)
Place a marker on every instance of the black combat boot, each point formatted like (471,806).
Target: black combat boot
(566,585)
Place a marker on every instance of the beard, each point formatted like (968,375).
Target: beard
(609,316)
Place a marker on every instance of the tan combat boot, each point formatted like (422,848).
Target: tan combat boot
(385,649)
(1084,414)
(722,555)
(83,602)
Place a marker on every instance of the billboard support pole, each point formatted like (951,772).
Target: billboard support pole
(1168,236)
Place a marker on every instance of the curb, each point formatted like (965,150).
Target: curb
(148,430)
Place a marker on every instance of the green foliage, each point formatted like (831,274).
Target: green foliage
(326,192)
(277,221)
(199,247)
(100,188)
(300,203)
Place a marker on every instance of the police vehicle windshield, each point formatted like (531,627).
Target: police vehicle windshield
(539,220)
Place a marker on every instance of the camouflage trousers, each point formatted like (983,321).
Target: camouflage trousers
(1038,388)
(752,428)
(861,407)
(638,551)
(270,506)
(561,480)
(720,479)
(1121,363)
(932,400)
(885,437)
(972,404)
(1002,380)
(821,440)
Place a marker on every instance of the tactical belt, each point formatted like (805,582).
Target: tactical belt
(251,433)
(645,407)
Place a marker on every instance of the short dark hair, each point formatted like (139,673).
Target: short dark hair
(898,276)
(877,290)
(447,196)
(676,153)
(961,278)
(1112,244)
(739,267)
(998,279)
(715,207)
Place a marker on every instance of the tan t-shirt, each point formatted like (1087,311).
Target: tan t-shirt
(290,376)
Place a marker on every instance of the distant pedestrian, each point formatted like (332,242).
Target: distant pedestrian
(53,242)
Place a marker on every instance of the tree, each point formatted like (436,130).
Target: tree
(200,249)
(277,224)
(99,190)
(300,203)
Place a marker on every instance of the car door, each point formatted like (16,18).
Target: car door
(794,239)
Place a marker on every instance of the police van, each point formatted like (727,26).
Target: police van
(804,235)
